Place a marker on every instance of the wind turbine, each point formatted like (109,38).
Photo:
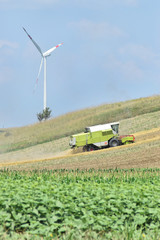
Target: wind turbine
(44,56)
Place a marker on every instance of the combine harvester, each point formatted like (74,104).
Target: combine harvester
(100,136)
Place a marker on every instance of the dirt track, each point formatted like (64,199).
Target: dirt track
(145,152)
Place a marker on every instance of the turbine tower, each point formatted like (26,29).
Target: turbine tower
(44,56)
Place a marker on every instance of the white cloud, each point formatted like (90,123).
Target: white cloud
(126,2)
(26,4)
(96,30)
(45,2)
(17,4)
(101,3)
(4,43)
(6,74)
(128,70)
(7,48)
(30,4)
(131,70)
(139,51)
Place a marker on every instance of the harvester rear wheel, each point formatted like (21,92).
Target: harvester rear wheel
(90,148)
(113,142)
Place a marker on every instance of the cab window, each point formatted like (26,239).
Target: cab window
(115,128)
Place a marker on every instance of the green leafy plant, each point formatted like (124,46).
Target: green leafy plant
(57,204)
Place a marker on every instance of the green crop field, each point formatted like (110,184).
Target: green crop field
(93,204)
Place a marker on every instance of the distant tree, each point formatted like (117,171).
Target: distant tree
(44,115)
(40,116)
(47,113)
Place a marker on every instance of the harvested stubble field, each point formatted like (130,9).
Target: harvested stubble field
(145,152)
(138,156)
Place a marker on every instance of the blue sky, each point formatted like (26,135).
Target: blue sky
(111,53)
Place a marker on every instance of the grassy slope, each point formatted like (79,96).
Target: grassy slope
(61,147)
(146,154)
(20,138)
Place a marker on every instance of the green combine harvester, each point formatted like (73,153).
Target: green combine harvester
(100,136)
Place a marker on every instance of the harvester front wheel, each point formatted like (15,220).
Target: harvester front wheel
(88,148)
(113,142)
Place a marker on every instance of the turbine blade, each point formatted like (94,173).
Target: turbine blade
(35,44)
(38,75)
(47,53)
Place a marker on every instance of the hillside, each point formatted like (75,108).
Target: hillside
(14,139)
(145,126)
(145,152)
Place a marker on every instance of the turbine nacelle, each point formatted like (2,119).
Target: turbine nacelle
(46,55)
